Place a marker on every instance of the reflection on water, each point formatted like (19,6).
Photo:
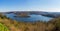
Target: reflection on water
(32,17)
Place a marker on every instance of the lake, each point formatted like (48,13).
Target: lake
(32,17)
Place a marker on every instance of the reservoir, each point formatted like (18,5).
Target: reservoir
(32,17)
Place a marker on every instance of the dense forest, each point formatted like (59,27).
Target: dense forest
(13,25)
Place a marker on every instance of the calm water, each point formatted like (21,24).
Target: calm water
(31,18)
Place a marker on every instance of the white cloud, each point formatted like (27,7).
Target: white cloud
(45,9)
(34,9)
(51,9)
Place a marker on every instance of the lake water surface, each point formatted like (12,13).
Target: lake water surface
(32,17)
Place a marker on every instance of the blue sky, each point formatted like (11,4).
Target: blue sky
(30,5)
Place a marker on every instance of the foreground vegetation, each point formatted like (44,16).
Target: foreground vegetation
(13,25)
(3,28)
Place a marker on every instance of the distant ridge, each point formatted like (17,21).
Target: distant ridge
(48,14)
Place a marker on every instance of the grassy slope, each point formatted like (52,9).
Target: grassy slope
(3,28)
(22,26)
(56,23)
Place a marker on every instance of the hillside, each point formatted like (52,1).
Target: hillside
(14,25)
(56,23)
(3,27)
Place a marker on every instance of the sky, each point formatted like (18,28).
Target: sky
(30,5)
